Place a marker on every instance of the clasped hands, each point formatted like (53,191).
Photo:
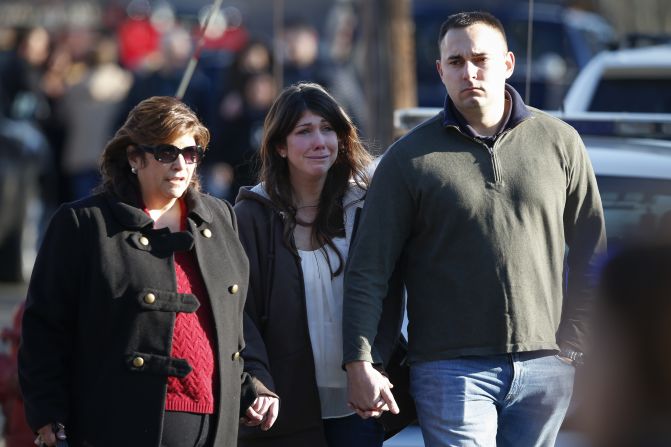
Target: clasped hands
(369,392)
(369,395)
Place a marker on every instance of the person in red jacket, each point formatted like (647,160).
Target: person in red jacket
(16,431)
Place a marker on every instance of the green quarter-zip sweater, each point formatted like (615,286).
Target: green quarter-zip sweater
(484,238)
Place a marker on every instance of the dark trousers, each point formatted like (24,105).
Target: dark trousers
(352,431)
(181,429)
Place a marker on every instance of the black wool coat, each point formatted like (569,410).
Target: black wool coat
(99,318)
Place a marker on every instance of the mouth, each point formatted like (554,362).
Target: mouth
(471,89)
(176,179)
(318,157)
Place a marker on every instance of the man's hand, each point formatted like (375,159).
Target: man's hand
(262,412)
(369,392)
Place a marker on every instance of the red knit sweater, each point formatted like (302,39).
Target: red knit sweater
(192,340)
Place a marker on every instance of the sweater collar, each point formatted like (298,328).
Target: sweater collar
(131,215)
(518,113)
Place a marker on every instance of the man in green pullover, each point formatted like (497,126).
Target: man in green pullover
(490,212)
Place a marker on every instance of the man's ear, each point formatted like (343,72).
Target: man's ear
(510,64)
(439,68)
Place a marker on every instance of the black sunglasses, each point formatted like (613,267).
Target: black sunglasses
(167,153)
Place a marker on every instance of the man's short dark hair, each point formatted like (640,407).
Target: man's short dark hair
(466,19)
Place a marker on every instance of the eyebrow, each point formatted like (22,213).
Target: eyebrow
(309,123)
(459,56)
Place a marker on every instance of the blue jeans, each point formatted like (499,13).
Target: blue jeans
(352,431)
(515,399)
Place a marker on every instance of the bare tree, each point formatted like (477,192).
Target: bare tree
(638,16)
(390,65)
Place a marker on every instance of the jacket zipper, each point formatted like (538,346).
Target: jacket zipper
(493,159)
(496,167)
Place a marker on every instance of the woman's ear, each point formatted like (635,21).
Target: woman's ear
(282,150)
(134,159)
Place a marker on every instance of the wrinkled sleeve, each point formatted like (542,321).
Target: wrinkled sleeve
(250,387)
(384,227)
(49,322)
(254,354)
(585,236)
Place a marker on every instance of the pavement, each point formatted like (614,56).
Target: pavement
(412,437)
(10,295)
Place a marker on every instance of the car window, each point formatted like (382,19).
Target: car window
(549,38)
(635,209)
(595,41)
(642,95)
(426,48)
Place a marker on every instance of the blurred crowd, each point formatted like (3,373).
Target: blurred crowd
(76,85)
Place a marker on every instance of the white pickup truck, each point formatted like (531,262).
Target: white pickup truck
(635,80)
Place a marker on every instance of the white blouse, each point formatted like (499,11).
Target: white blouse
(324,297)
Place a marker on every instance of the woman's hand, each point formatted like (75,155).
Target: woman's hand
(50,434)
(262,412)
(46,436)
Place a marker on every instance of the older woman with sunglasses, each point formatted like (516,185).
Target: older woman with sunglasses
(133,322)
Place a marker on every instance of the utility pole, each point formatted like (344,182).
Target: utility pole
(404,79)
(278,47)
(389,80)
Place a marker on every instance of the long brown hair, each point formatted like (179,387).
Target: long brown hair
(352,161)
(155,120)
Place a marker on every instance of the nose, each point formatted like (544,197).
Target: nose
(470,70)
(320,139)
(179,163)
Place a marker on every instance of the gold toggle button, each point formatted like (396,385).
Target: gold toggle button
(138,362)
(234,289)
(207,233)
(150,298)
(144,241)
